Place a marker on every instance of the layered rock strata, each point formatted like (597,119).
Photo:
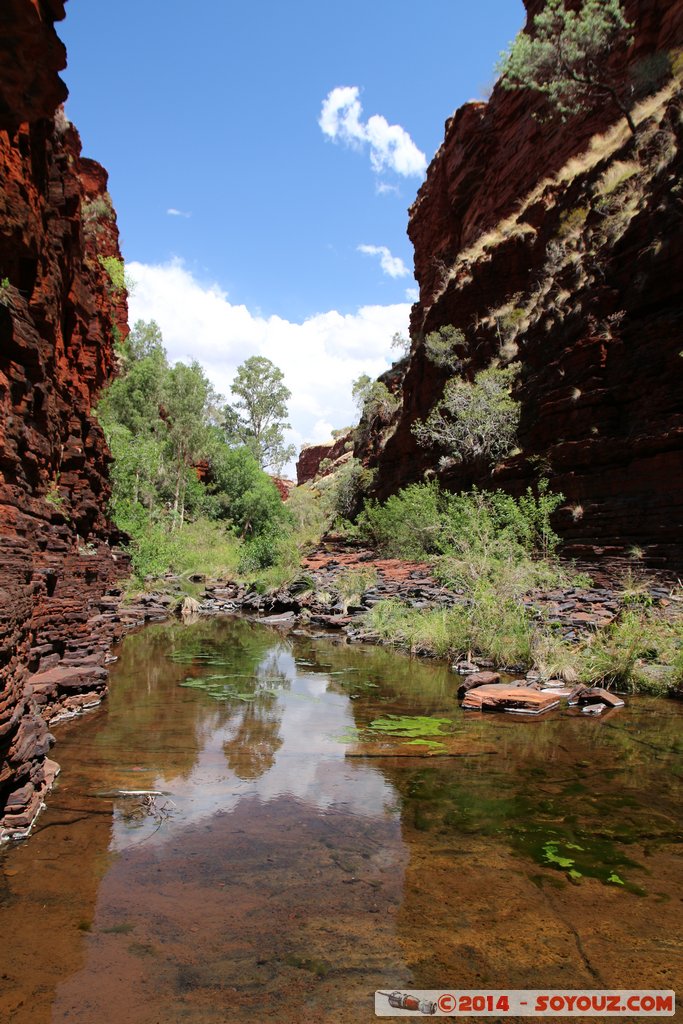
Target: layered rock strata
(61,308)
(559,247)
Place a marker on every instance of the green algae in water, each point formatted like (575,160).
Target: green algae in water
(545,831)
(593,857)
(552,856)
(417,729)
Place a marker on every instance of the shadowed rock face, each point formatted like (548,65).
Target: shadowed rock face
(59,315)
(595,325)
(31,54)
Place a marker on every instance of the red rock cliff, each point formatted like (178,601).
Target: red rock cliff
(59,315)
(560,246)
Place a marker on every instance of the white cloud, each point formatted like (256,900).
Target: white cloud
(391,147)
(412,294)
(172,212)
(319,357)
(391,265)
(383,188)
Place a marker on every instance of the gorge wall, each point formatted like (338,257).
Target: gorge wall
(559,246)
(60,312)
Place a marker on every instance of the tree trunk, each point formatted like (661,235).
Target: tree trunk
(182,503)
(177,494)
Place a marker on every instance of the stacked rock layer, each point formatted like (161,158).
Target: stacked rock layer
(61,310)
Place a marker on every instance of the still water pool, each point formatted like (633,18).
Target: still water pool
(300,849)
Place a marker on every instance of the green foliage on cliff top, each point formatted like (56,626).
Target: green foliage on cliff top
(566,56)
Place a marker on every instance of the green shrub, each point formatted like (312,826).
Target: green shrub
(116,272)
(374,399)
(352,584)
(54,497)
(245,495)
(261,552)
(441,347)
(421,521)
(308,514)
(474,420)
(152,547)
(407,525)
(347,487)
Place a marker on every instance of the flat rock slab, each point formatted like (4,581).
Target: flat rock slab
(585,695)
(511,698)
(477,679)
(284,619)
(63,679)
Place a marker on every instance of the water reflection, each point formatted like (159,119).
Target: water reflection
(289,881)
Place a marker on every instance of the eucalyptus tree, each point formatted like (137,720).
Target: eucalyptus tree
(258,416)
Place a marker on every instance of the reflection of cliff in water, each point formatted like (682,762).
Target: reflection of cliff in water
(49,885)
(292,881)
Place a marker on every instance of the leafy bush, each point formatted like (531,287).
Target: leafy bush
(408,524)
(474,419)
(374,399)
(54,497)
(493,549)
(566,56)
(155,548)
(346,488)
(441,347)
(152,547)
(115,269)
(260,552)
(422,521)
(352,584)
(308,514)
(245,495)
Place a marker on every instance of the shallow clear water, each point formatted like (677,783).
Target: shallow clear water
(295,862)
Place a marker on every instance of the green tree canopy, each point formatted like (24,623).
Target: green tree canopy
(258,417)
(246,496)
(144,340)
(566,57)
(189,410)
(130,413)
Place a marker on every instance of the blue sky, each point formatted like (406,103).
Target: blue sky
(213,110)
